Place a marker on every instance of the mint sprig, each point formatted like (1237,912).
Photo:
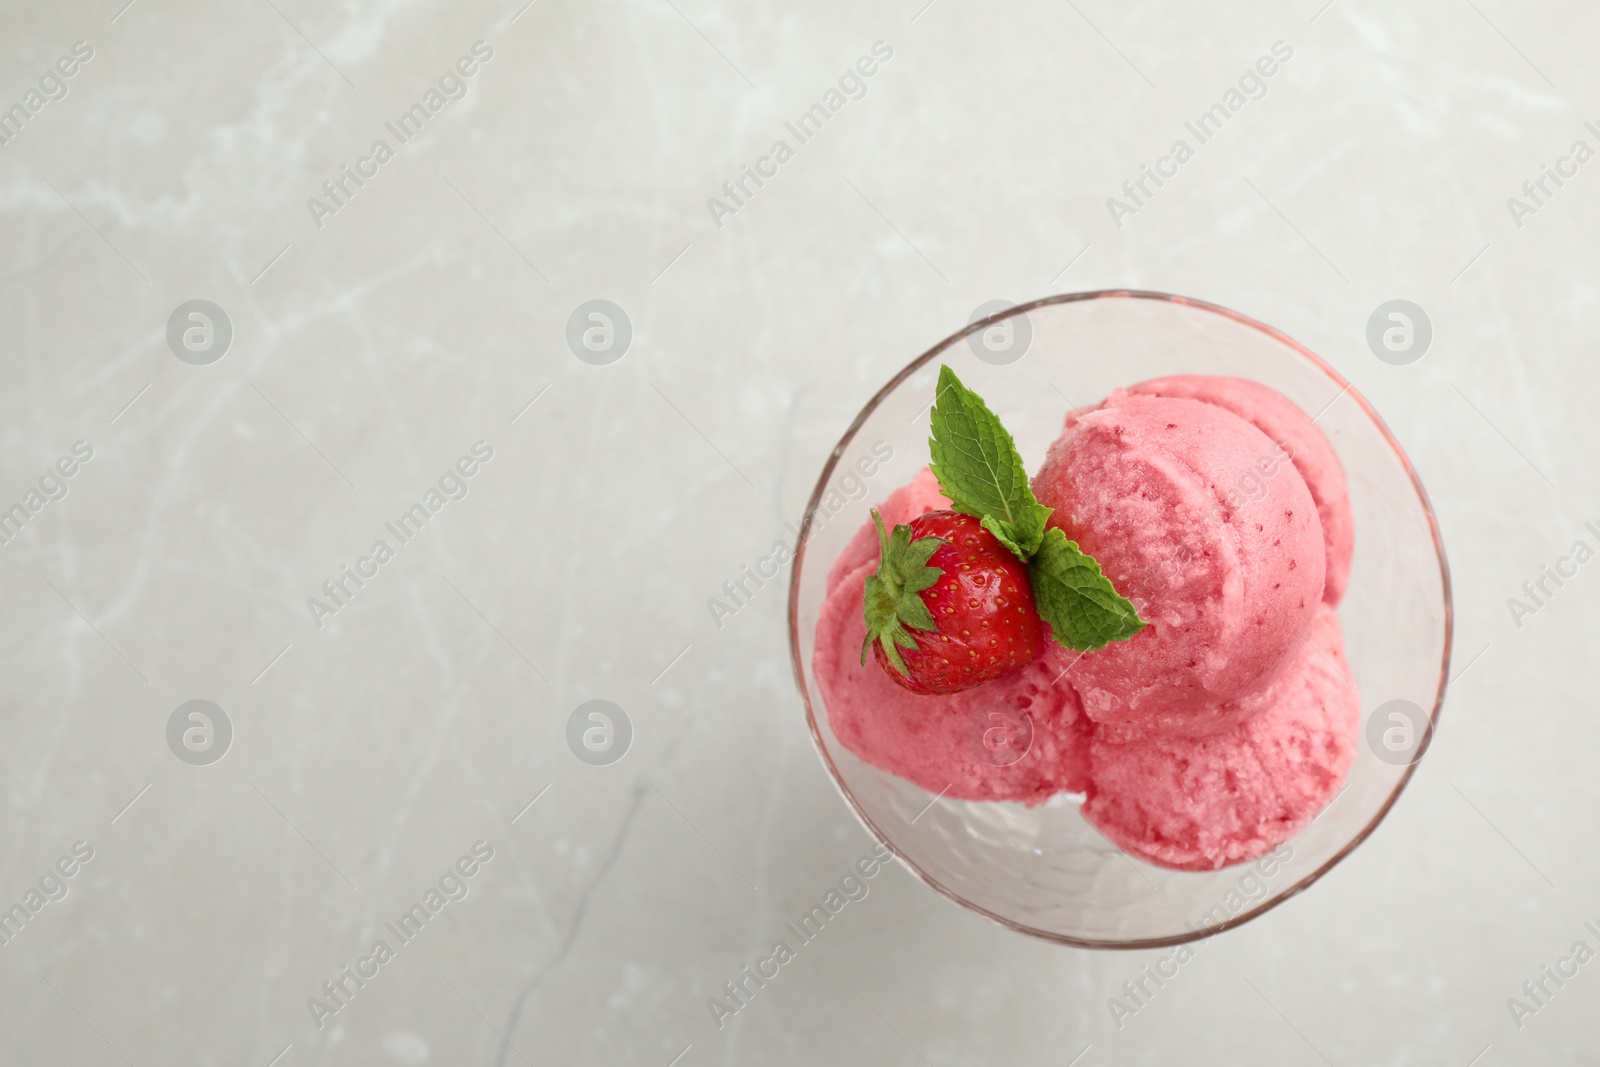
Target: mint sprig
(892,600)
(1083,609)
(980,470)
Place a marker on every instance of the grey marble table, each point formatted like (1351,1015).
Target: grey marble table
(389,352)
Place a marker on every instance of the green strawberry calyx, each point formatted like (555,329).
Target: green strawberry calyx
(893,600)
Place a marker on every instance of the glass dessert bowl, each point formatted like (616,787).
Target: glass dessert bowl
(1045,870)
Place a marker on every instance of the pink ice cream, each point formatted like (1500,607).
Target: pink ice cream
(1282,420)
(1146,485)
(1203,803)
(1224,726)
(962,745)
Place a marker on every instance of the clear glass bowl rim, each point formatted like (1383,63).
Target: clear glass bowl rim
(929,356)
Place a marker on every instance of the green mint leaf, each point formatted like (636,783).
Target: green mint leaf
(1004,535)
(1084,610)
(979,468)
(891,598)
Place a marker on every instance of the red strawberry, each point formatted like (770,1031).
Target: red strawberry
(955,599)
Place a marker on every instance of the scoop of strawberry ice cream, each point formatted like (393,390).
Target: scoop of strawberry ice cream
(1305,446)
(1148,487)
(1199,803)
(1018,737)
